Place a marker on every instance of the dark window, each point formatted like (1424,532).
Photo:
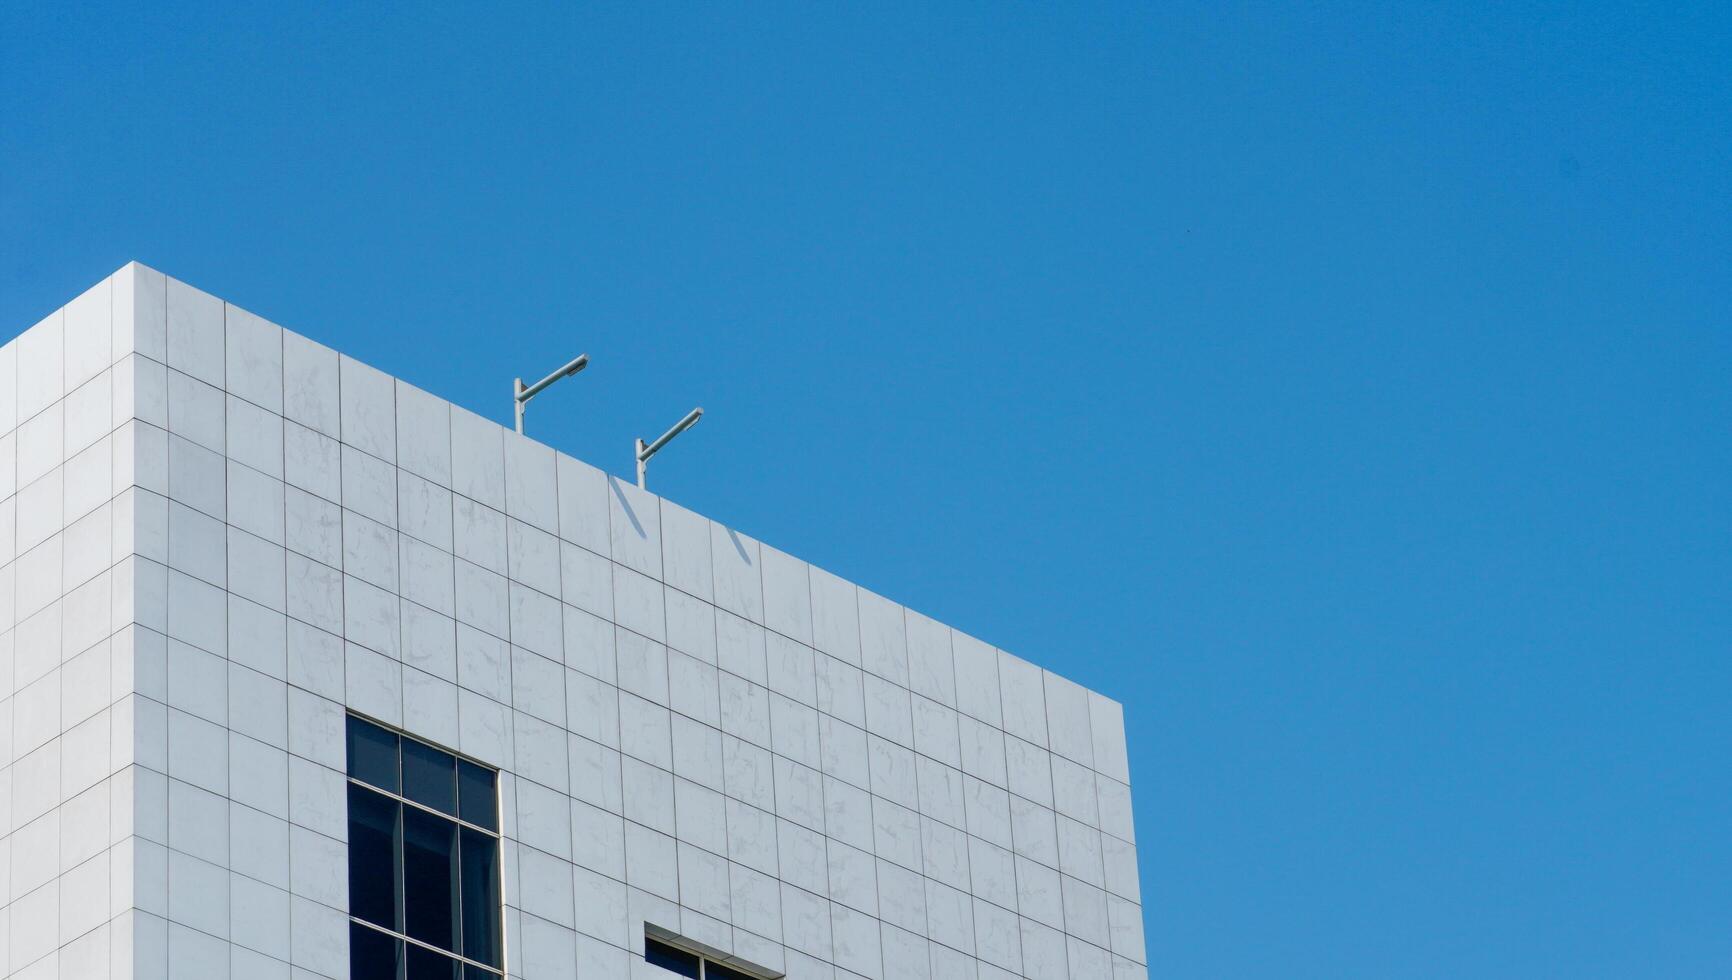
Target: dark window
(425,964)
(478,803)
(375,858)
(668,958)
(688,964)
(373,953)
(430,776)
(480,882)
(373,755)
(424,894)
(430,878)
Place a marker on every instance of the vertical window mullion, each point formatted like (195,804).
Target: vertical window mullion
(457,896)
(397,872)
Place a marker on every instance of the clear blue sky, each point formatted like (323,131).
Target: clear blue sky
(1343,388)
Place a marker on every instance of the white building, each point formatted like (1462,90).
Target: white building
(220,541)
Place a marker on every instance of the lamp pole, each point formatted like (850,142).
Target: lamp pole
(520,395)
(644,451)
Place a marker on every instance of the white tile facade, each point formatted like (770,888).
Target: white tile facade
(217,537)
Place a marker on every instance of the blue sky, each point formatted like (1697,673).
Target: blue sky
(1342,387)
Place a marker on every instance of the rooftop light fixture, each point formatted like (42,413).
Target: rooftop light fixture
(520,395)
(646,450)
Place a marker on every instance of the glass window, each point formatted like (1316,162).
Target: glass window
(688,964)
(425,964)
(668,958)
(476,797)
(430,878)
(424,892)
(373,755)
(375,855)
(430,776)
(480,881)
(373,955)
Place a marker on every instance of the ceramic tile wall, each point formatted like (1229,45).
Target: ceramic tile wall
(695,730)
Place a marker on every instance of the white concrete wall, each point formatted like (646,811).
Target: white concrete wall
(68,714)
(694,729)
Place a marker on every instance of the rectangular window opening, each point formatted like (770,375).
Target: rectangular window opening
(672,959)
(672,954)
(424,891)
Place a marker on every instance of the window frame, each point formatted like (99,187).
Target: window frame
(495,834)
(661,937)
